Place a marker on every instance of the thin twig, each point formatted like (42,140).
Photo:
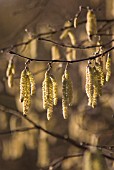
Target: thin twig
(64,61)
(41,35)
(80,145)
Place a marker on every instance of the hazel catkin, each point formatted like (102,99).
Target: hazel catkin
(10,73)
(108,68)
(91,25)
(49,93)
(27,88)
(67,93)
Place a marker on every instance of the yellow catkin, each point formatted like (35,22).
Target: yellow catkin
(23,82)
(55,53)
(27,97)
(50,101)
(49,113)
(45,103)
(97,87)
(71,52)
(47,94)
(75,22)
(93,85)
(68,54)
(25,91)
(91,25)
(89,84)
(99,68)
(72,38)
(65,32)
(69,87)
(45,90)
(10,73)
(10,80)
(32,82)
(108,68)
(64,97)
(67,93)
(55,90)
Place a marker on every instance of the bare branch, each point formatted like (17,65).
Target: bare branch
(80,145)
(64,61)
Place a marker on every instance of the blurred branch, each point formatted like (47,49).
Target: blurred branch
(41,35)
(17,130)
(56,163)
(81,145)
(64,138)
(64,61)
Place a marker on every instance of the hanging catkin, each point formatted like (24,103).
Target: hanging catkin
(64,97)
(55,53)
(89,83)
(93,85)
(99,68)
(97,87)
(49,93)
(67,93)
(10,72)
(55,90)
(75,21)
(32,82)
(91,25)
(66,30)
(108,68)
(71,52)
(27,88)
(45,90)
(27,97)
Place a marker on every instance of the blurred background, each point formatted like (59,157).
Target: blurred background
(34,149)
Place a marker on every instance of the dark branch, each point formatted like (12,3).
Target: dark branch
(64,61)
(80,145)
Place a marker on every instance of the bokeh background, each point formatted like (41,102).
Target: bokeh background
(34,149)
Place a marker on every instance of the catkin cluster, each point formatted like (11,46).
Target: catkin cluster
(94,81)
(27,89)
(67,93)
(49,93)
(10,73)
(91,25)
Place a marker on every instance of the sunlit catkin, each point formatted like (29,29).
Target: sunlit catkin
(23,84)
(10,73)
(27,96)
(69,87)
(91,25)
(47,94)
(32,82)
(67,93)
(25,90)
(99,68)
(66,30)
(89,84)
(64,97)
(108,68)
(72,38)
(55,53)
(75,22)
(55,90)
(45,90)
